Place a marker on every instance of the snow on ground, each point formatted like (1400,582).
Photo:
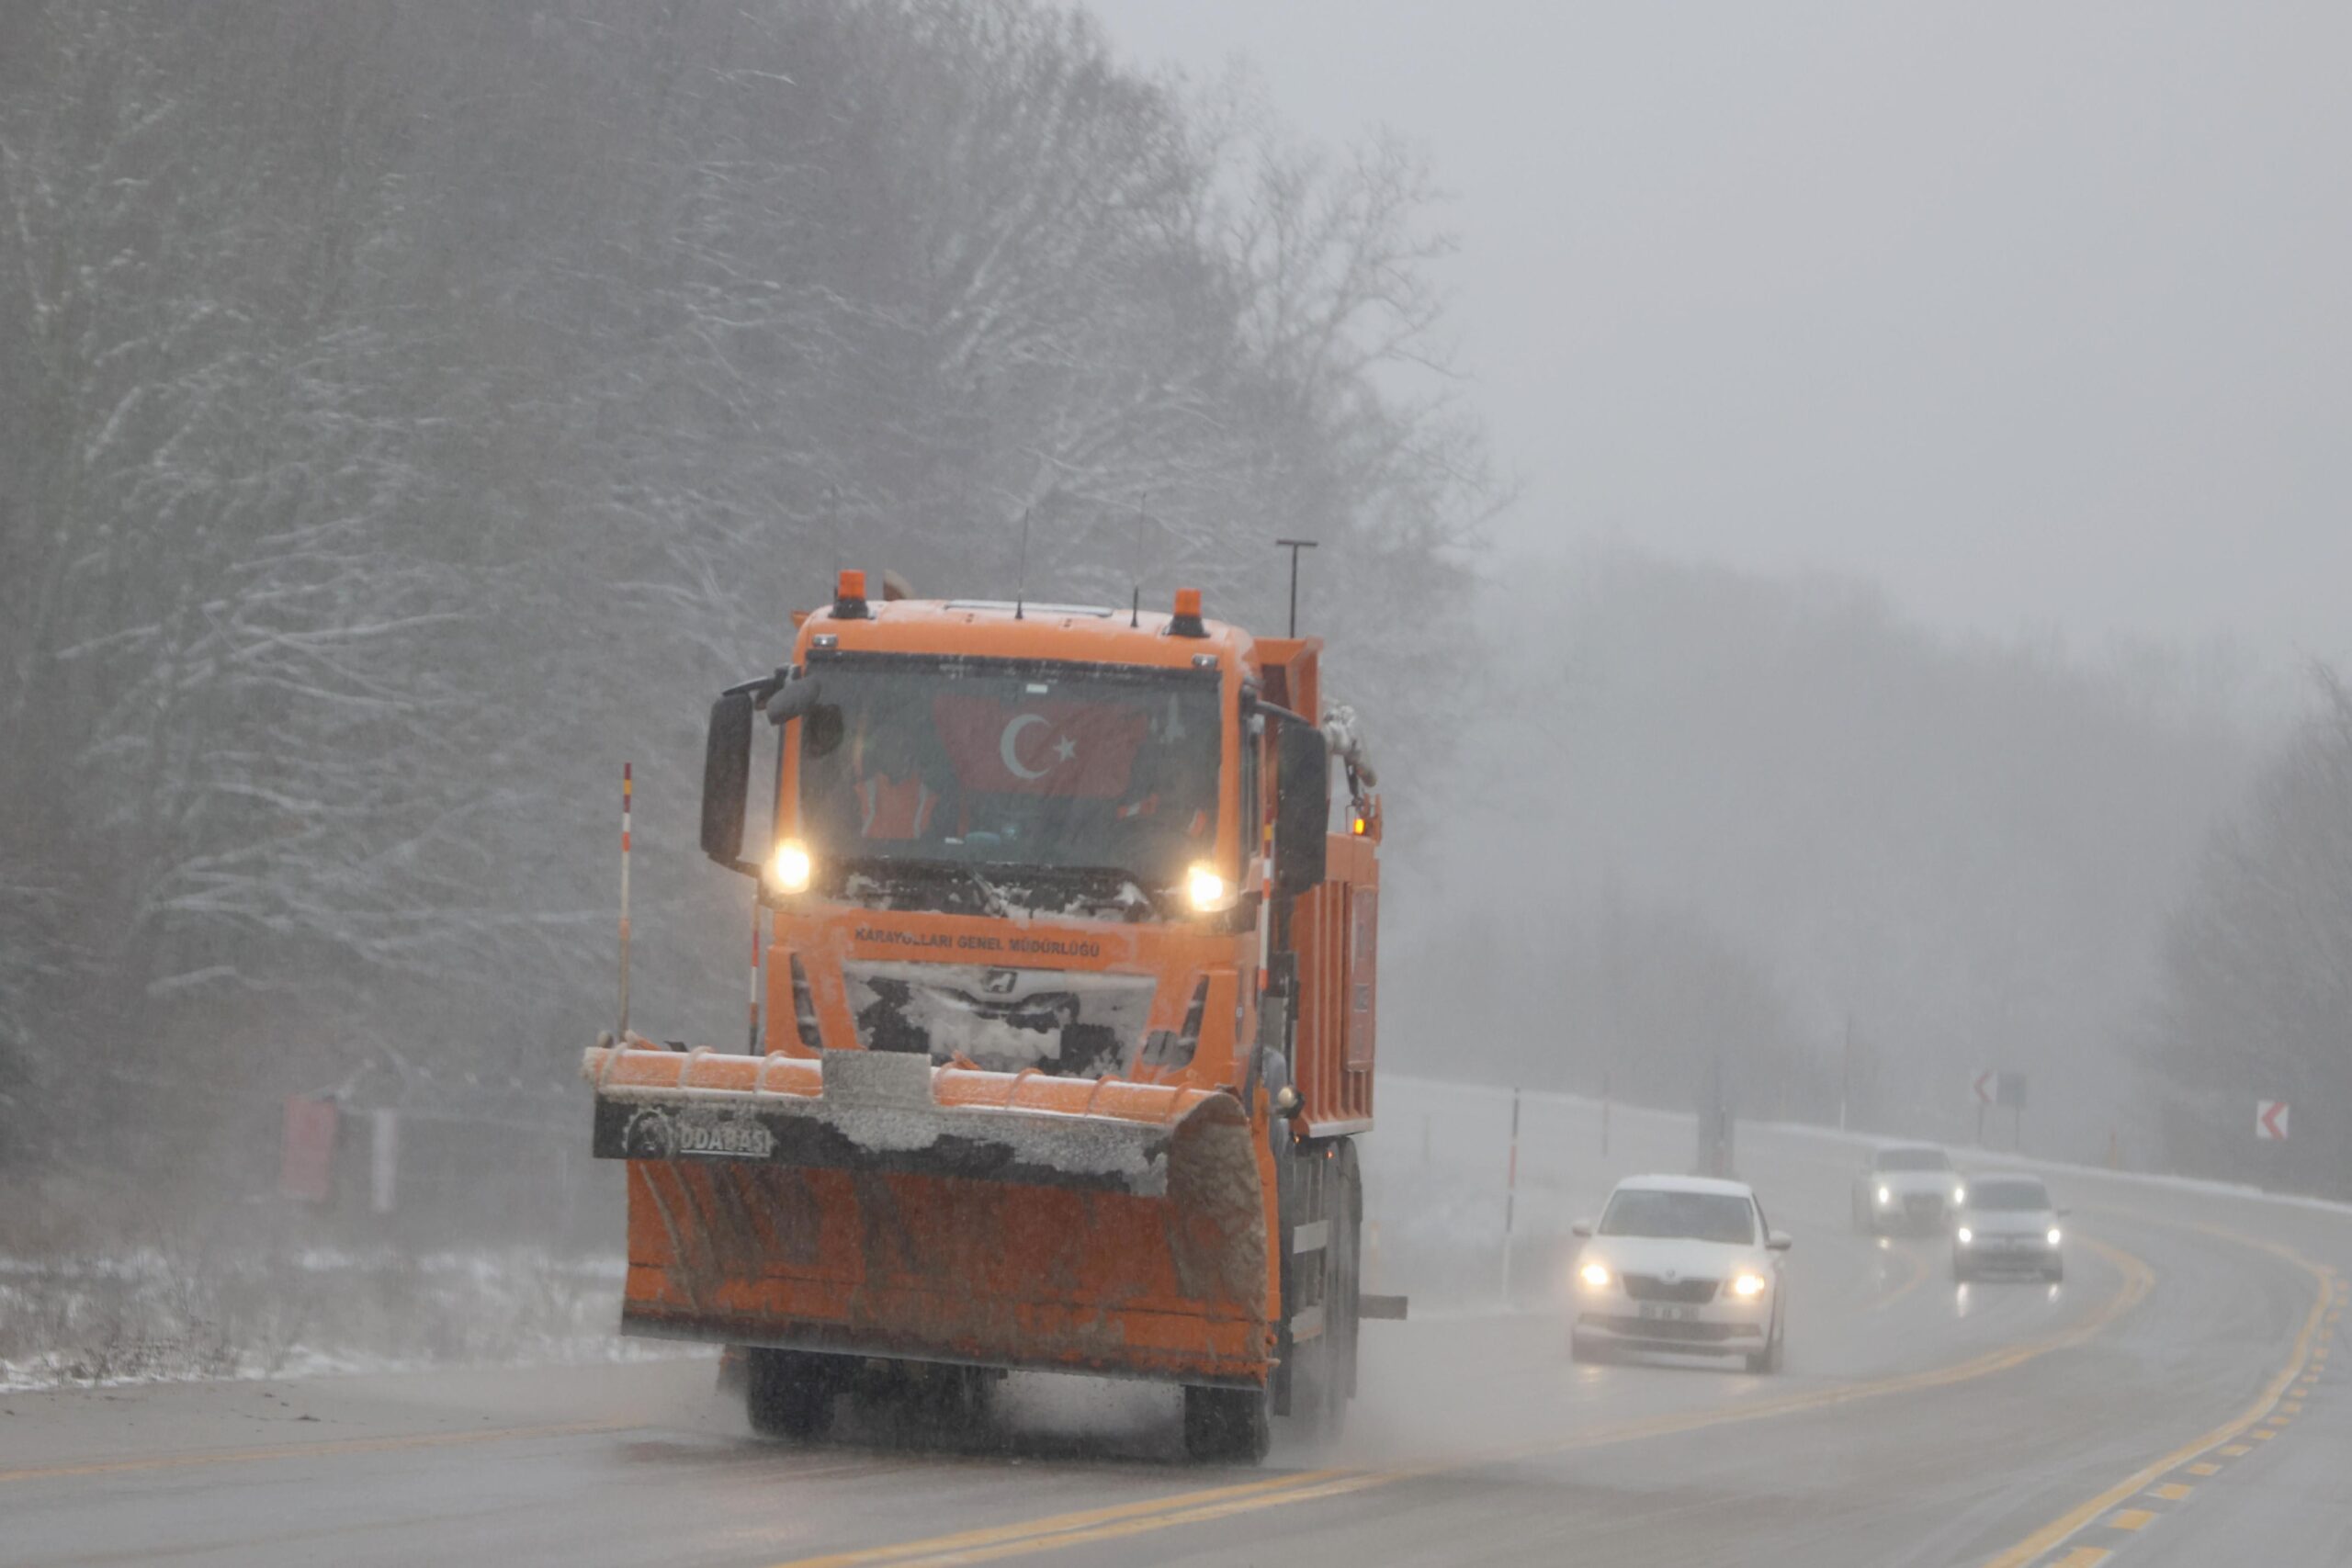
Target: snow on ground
(146,1314)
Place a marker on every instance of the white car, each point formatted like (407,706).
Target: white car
(1683,1264)
(1906,1187)
(2007,1226)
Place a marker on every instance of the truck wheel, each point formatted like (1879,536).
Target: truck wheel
(790,1394)
(1226,1426)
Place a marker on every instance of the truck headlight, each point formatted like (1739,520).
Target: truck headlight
(1885,1196)
(1595,1276)
(790,868)
(1963,1236)
(1204,887)
(1959,1196)
(2053,1236)
(1748,1285)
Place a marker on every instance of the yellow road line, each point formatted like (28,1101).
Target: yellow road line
(2262,1433)
(2171,1491)
(2049,1536)
(2083,1557)
(311,1451)
(2205,1468)
(2236,1450)
(1056,1531)
(2131,1518)
(1026,1535)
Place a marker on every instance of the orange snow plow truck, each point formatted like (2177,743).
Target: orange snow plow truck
(1069,989)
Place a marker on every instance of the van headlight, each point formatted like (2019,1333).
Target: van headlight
(1963,1236)
(1885,1196)
(1959,1196)
(2053,1236)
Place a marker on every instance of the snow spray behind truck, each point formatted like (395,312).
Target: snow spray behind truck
(1069,990)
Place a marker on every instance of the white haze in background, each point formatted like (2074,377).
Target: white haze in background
(2033,314)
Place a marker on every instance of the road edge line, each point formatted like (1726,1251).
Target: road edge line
(2072,1522)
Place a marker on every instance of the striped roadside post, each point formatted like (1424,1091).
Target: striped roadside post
(751,1008)
(1511,1194)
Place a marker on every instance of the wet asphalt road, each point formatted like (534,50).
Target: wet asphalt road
(2173,1403)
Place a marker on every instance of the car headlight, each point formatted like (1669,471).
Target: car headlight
(2053,1236)
(790,868)
(1748,1285)
(1204,887)
(1959,1196)
(1965,1235)
(1884,1196)
(1595,1276)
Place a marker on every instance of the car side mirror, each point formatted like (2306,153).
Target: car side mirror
(1778,1241)
(1582,1229)
(1303,808)
(726,777)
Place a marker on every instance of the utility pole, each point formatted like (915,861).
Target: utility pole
(1294,547)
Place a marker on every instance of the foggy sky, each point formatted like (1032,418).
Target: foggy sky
(2035,314)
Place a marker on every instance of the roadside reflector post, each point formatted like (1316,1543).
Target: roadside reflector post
(628,786)
(1511,1194)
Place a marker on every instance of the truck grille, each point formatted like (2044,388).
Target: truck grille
(1071,1023)
(1689,1293)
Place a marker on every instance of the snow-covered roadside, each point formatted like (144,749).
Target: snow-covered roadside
(145,1315)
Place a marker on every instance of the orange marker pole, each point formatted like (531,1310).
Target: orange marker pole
(627,787)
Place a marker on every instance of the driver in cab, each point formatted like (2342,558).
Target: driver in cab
(895,802)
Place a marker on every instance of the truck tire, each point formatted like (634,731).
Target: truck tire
(790,1394)
(1226,1426)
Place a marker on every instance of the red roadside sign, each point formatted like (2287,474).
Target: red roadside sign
(2270,1120)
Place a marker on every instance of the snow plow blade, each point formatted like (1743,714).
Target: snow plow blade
(868,1203)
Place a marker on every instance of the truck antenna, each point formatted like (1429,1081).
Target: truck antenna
(1143,517)
(1021,573)
(1294,547)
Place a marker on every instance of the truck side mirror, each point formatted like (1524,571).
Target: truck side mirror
(726,777)
(1303,812)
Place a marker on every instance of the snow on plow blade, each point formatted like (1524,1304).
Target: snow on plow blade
(868,1203)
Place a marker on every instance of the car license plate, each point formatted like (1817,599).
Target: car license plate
(1666,1311)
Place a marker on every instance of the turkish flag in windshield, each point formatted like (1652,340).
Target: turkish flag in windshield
(1069,749)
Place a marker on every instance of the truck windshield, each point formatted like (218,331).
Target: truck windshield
(912,763)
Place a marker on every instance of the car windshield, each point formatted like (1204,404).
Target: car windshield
(986,763)
(2007,1194)
(1692,1216)
(1913,1159)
